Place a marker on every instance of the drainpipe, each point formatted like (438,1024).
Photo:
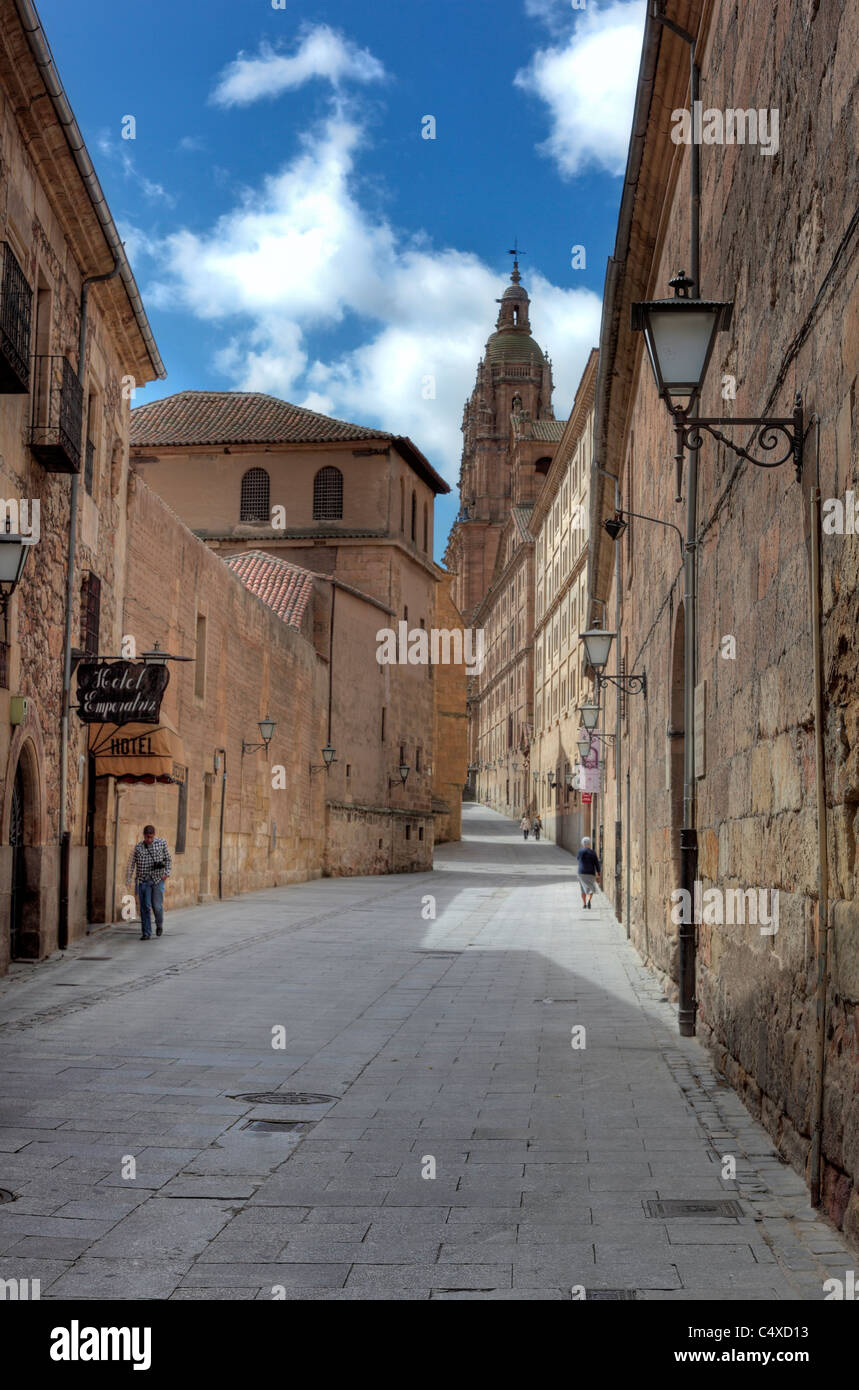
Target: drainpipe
(218,753)
(688,1005)
(65,837)
(618,836)
(823,863)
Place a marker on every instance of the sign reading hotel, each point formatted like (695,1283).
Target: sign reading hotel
(121,692)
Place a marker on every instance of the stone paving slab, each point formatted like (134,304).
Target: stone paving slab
(544,1155)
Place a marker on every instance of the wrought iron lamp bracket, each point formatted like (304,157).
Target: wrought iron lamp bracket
(771,434)
(633,685)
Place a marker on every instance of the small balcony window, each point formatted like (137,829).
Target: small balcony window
(57,420)
(16,305)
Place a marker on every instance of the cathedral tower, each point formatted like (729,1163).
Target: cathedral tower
(514,379)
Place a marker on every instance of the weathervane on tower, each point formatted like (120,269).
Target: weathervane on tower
(516,253)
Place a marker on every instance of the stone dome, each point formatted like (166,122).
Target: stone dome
(510,346)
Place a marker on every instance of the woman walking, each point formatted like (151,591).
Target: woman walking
(536,826)
(525,826)
(589,871)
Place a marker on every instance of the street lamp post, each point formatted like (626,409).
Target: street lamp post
(266,732)
(679,335)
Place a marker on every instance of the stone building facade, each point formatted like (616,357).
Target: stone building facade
(559,524)
(779,237)
(450,727)
(71,354)
(234,820)
(353,505)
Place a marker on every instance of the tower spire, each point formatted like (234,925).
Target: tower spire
(516,253)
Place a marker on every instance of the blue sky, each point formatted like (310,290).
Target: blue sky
(291,230)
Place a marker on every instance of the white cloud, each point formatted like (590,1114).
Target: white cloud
(588,84)
(322,53)
(300,256)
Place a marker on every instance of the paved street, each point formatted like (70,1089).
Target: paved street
(446,1040)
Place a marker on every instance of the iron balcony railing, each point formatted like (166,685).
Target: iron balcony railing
(57,421)
(16,305)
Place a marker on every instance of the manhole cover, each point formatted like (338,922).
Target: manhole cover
(609,1295)
(6,1195)
(704,1208)
(285,1098)
(279,1126)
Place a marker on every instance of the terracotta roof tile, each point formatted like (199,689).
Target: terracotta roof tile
(285,588)
(236,417)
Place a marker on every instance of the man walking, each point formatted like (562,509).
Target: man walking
(589,871)
(150,861)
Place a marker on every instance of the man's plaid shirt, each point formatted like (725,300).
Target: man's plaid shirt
(144,856)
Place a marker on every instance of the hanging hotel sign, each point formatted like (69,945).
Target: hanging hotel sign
(121,692)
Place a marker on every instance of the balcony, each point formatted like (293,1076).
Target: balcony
(16,303)
(57,423)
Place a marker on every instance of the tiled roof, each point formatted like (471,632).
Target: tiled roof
(284,587)
(236,417)
(194,418)
(550,430)
(520,515)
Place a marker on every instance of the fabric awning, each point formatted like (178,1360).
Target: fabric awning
(137,752)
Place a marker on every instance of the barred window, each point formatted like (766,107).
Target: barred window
(328,494)
(255,496)
(90,612)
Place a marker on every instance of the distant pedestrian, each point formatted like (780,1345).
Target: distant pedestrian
(151,864)
(536,826)
(589,871)
(525,826)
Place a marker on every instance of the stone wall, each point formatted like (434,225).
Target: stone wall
(256,665)
(450,727)
(776,239)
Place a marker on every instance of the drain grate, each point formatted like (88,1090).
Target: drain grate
(95,958)
(67,984)
(704,1208)
(6,1195)
(279,1126)
(285,1098)
(556,1001)
(610,1295)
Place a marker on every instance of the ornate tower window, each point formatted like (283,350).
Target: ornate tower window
(328,495)
(255,496)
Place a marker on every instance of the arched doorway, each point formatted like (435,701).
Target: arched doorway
(18,878)
(23,833)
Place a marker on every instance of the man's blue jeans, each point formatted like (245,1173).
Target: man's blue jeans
(150,896)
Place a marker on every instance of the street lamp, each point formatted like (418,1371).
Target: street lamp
(617,524)
(329,756)
(597,642)
(156,657)
(266,732)
(679,334)
(589,714)
(550,778)
(13,557)
(584,744)
(404,770)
